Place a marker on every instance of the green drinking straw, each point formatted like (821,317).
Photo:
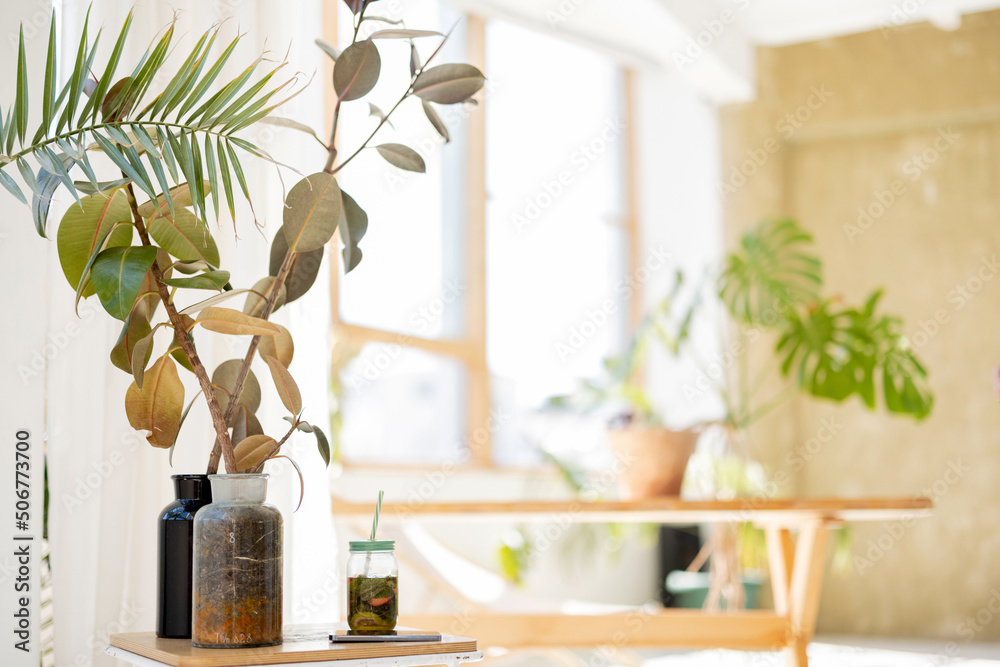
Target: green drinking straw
(378,510)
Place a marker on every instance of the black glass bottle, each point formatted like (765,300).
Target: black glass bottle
(176,528)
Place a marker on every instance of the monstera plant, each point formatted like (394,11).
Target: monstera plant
(771,285)
(141,241)
(829,350)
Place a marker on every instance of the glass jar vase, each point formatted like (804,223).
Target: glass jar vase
(237,566)
(372,587)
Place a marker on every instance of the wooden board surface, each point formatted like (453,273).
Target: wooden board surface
(639,627)
(657,510)
(303,643)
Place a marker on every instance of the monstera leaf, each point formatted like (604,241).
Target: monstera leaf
(771,271)
(837,353)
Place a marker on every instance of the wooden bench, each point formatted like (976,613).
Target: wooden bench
(796,535)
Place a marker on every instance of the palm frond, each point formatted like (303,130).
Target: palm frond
(184,132)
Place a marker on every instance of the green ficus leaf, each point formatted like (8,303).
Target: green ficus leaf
(136,328)
(234,323)
(140,355)
(288,391)
(117,275)
(401,33)
(256,301)
(353,228)
(158,406)
(449,84)
(305,267)
(245,424)
(184,236)
(224,378)
(212,280)
(435,119)
(322,444)
(357,70)
(280,346)
(81,229)
(252,451)
(312,211)
(402,156)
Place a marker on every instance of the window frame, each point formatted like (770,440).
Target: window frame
(470,348)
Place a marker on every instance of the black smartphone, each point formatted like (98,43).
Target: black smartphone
(350,636)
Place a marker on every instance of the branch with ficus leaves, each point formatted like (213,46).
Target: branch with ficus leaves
(178,147)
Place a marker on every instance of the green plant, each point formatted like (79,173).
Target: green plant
(772,283)
(178,148)
(829,351)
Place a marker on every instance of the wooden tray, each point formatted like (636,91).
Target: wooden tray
(303,643)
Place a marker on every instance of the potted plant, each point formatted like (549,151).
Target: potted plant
(772,288)
(636,430)
(141,243)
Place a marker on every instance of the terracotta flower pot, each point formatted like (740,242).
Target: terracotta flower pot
(655,459)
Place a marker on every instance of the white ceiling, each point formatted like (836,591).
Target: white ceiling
(776,22)
(662,33)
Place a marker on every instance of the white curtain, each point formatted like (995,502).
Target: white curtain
(108,484)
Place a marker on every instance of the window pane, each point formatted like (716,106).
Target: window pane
(411,249)
(557,293)
(403,405)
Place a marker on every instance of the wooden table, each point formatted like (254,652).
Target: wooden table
(796,533)
(302,644)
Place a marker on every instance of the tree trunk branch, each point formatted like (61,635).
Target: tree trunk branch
(234,398)
(220,424)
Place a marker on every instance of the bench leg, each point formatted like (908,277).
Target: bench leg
(804,590)
(797,580)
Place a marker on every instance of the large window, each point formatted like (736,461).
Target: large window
(508,258)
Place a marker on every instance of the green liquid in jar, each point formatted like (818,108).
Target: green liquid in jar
(372,604)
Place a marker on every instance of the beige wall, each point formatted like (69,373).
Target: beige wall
(891,97)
